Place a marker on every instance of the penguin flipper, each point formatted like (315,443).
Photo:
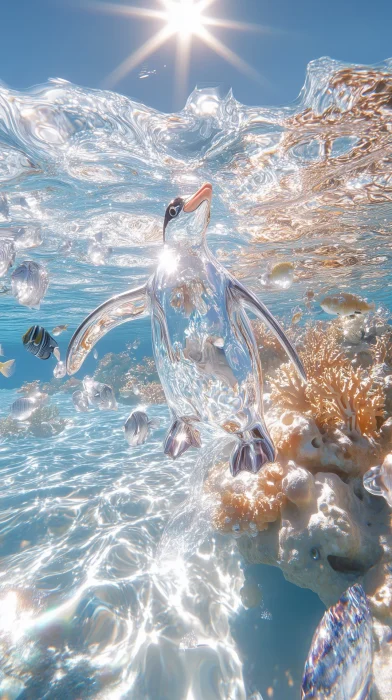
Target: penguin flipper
(250,300)
(180,437)
(119,309)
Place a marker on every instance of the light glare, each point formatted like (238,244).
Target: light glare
(184,17)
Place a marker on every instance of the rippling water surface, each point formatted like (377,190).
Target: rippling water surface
(92,605)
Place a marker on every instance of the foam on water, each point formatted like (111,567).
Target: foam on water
(96,603)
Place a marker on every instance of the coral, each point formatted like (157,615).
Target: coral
(29,388)
(298,485)
(382,350)
(69,386)
(328,542)
(342,395)
(250,509)
(336,393)
(44,422)
(112,369)
(319,350)
(315,520)
(9,426)
(130,384)
(298,437)
(55,386)
(152,392)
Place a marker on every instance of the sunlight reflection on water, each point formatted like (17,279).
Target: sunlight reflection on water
(88,608)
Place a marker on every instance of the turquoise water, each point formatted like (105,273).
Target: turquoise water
(91,608)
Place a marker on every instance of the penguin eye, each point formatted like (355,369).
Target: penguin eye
(173,211)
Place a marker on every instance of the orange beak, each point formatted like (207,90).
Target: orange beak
(202,195)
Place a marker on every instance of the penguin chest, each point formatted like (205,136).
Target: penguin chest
(205,364)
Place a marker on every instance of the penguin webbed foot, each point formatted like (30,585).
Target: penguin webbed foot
(181,436)
(251,455)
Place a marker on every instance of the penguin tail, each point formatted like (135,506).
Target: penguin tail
(254,449)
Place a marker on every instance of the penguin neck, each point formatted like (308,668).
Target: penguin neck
(195,243)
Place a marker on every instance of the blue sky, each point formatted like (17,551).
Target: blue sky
(58,38)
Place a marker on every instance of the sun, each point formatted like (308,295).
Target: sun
(184,17)
(185,21)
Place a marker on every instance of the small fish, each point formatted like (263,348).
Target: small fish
(296,317)
(97,252)
(378,480)
(345,304)
(40,343)
(137,427)
(99,394)
(7,255)
(280,275)
(95,354)
(59,329)
(339,664)
(22,408)
(2,353)
(80,401)
(7,368)
(29,283)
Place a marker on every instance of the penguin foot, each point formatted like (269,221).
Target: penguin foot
(180,437)
(251,455)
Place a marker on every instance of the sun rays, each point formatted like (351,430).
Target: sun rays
(185,21)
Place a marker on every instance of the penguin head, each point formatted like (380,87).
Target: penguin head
(186,219)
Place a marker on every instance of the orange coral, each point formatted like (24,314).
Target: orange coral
(320,351)
(345,395)
(335,392)
(382,349)
(251,511)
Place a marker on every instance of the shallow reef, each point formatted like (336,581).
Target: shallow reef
(308,513)
(92,608)
(44,422)
(138,385)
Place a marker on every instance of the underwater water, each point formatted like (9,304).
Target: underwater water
(103,592)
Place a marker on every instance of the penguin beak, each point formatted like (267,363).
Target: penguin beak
(202,195)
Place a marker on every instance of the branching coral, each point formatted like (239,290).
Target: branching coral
(336,393)
(9,426)
(44,422)
(112,369)
(382,350)
(342,395)
(251,510)
(149,392)
(29,388)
